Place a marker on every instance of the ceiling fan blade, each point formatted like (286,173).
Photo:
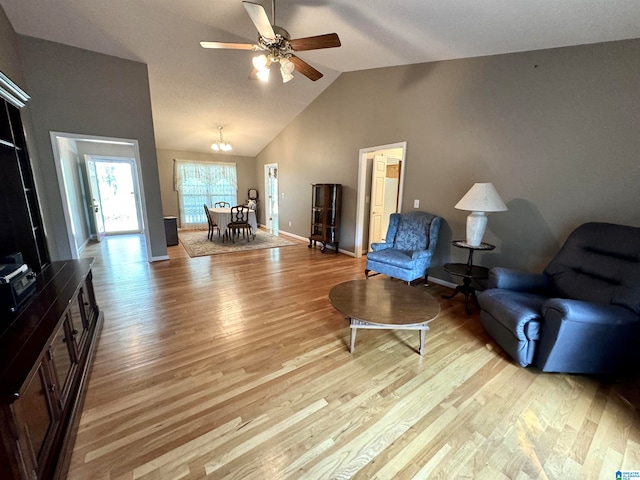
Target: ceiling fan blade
(305,69)
(231,45)
(260,19)
(330,40)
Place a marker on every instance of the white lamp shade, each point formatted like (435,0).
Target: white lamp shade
(482,197)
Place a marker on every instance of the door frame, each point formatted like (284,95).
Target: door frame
(362,187)
(73,137)
(267,208)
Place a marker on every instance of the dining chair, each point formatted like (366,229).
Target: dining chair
(239,221)
(210,222)
(221,205)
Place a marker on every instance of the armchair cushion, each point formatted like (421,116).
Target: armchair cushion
(600,263)
(412,233)
(511,279)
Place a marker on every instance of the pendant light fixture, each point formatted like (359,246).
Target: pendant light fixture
(219,145)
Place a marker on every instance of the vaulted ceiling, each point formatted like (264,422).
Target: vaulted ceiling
(194,90)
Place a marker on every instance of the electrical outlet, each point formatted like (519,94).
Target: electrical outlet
(416,203)
(289,223)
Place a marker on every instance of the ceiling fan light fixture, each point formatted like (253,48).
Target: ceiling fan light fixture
(286,69)
(220,145)
(259,62)
(263,74)
(286,66)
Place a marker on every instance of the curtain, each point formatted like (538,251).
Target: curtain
(200,183)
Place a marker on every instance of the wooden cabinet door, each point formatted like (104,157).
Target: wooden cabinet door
(63,357)
(78,323)
(90,305)
(36,417)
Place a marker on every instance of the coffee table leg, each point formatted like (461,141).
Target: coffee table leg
(353,338)
(423,334)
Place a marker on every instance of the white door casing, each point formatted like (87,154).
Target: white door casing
(95,202)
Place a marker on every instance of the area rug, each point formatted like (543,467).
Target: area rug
(196,243)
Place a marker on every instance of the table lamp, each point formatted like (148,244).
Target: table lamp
(482,198)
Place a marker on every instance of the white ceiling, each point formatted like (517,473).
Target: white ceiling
(194,90)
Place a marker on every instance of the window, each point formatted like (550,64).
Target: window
(199,183)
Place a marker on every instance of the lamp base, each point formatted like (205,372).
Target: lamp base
(476,225)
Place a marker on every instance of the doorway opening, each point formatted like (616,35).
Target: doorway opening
(271,187)
(73,154)
(114,194)
(381,172)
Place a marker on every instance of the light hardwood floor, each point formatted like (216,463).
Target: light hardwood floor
(237,367)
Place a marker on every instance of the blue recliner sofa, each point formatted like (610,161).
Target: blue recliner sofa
(410,242)
(581,315)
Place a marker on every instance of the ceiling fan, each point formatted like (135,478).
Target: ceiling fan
(276,45)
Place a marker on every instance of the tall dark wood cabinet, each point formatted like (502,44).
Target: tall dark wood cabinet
(326,203)
(22,227)
(46,352)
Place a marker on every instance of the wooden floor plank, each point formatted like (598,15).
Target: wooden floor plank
(237,366)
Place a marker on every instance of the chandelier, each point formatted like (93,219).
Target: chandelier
(219,145)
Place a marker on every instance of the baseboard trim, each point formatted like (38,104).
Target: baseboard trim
(439,281)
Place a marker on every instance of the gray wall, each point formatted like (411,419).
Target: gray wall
(556,131)
(82,92)
(11,66)
(9,59)
(246,167)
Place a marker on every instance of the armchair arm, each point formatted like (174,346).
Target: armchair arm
(376,247)
(518,280)
(584,337)
(421,255)
(578,311)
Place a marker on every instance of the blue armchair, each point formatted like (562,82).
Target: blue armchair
(410,242)
(581,315)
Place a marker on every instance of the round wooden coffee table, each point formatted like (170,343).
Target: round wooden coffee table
(384,304)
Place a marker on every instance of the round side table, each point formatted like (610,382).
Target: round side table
(468,271)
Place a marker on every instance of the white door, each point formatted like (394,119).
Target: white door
(95,203)
(118,193)
(271,187)
(376,216)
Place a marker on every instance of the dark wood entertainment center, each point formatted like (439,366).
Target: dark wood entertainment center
(48,343)
(46,352)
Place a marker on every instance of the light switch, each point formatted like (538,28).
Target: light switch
(416,203)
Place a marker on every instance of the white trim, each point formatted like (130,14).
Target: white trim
(267,204)
(159,258)
(64,196)
(306,239)
(362,173)
(12,93)
(439,281)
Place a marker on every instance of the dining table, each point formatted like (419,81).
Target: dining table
(221,216)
